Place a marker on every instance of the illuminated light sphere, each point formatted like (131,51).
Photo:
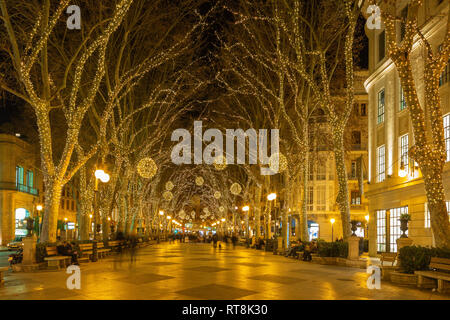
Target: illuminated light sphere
(206,210)
(220,163)
(199,181)
(217,195)
(281,160)
(168,195)
(169,185)
(235,188)
(221,209)
(147,168)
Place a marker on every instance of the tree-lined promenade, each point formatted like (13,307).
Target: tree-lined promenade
(110,95)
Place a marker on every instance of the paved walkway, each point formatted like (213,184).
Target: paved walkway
(197,271)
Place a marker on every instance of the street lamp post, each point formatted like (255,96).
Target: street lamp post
(332,220)
(247,210)
(271,197)
(39,209)
(103,177)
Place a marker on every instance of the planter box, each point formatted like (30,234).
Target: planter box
(404,279)
(325,260)
(386,272)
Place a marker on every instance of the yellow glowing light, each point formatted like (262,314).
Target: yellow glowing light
(39,207)
(332,220)
(161,212)
(223,219)
(245,208)
(272,196)
(367,218)
(169,217)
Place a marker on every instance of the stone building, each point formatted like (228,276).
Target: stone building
(394,183)
(20,186)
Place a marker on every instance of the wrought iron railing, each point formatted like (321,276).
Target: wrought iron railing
(19,187)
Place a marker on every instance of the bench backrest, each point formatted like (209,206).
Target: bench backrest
(100,245)
(85,246)
(388,257)
(51,251)
(440,263)
(114,243)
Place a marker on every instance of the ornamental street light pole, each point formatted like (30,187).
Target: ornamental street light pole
(332,220)
(103,177)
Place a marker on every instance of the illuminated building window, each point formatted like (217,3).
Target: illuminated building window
(355,198)
(19,176)
(404,147)
(380,107)
(30,181)
(428,217)
(394,226)
(381,164)
(447,135)
(321,172)
(381,230)
(310,198)
(321,198)
(402,99)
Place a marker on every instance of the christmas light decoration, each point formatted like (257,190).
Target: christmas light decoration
(220,163)
(169,185)
(278,161)
(147,168)
(235,188)
(217,195)
(199,181)
(167,195)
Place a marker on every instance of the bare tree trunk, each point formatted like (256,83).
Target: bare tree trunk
(341,171)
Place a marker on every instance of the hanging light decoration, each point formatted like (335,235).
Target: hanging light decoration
(221,209)
(168,195)
(235,188)
(147,168)
(199,181)
(220,163)
(169,185)
(280,159)
(217,195)
(206,210)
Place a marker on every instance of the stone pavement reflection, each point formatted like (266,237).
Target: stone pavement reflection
(198,271)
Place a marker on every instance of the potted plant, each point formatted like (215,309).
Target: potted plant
(404,219)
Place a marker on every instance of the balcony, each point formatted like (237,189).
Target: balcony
(19,187)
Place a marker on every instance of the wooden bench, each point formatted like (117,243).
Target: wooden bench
(101,250)
(115,245)
(86,251)
(441,272)
(55,260)
(387,270)
(2,270)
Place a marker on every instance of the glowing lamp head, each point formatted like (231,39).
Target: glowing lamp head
(99,173)
(332,220)
(65,219)
(109,219)
(223,219)
(39,207)
(161,212)
(169,217)
(246,208)
(272,196)
(90,216)
(367,218)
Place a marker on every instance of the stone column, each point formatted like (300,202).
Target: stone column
(353,248)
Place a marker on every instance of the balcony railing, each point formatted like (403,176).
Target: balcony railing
(18,187)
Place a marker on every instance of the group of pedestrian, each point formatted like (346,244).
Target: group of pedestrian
(66,248)
(306,247)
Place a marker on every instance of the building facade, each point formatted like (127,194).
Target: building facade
(20,186)
(394,184)
(21,192)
